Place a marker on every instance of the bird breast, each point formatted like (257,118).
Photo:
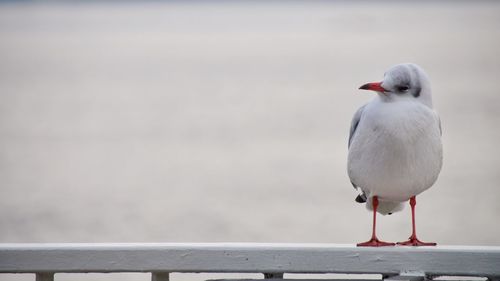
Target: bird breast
(396,152)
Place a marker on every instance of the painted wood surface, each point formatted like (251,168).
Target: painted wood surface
(249,258)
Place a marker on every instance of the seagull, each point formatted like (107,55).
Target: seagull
(395,149)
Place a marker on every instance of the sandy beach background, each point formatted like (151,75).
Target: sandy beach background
(227,121)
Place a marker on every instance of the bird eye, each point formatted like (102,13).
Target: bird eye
(403,88)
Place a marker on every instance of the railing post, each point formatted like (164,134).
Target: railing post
(404,277)
(45,276)
(159,276)
(274,275)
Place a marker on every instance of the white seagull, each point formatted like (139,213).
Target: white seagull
(395,150)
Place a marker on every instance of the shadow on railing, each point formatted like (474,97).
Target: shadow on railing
(273,260)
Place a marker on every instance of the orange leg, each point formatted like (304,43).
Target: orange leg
(413,240)
(374,242)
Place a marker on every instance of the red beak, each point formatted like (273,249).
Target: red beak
(376,86)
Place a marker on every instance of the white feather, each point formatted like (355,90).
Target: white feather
(396,152)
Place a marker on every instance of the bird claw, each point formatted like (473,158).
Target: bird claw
(374,242)
(413,241)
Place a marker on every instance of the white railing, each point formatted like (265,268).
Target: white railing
(396,263)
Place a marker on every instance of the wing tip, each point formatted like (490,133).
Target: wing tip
(361,198)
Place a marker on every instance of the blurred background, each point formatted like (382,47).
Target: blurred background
(227,121)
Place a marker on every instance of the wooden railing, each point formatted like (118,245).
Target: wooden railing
(273,260)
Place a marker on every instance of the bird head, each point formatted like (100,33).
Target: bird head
(403,82)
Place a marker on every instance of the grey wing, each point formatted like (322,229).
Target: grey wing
(354,123)
(440,128)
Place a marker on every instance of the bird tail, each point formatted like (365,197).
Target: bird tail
(385,207)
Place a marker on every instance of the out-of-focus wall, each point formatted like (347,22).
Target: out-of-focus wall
(228,121)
